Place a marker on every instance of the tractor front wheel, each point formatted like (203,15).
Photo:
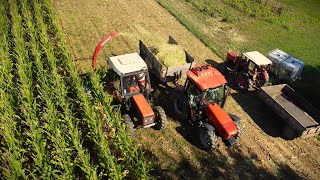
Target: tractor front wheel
(129,124)
(161,118)
(208,138)
(180,107)
(239,128)
(238,124)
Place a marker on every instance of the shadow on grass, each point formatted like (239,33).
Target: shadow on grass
(309,84)
(215,165)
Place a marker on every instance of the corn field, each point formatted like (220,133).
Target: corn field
(50,127)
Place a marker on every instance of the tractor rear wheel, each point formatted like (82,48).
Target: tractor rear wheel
(208,138)
(180,107)
(161,118)
(242,81)
(129,124)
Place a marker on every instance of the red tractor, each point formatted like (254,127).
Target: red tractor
(129,82)
(250,69)
(200,102)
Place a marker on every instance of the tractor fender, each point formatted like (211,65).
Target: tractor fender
(234,118)
(209,127)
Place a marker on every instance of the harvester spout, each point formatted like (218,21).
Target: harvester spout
(101,43)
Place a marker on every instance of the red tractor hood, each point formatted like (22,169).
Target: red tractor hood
(205,76)
(221,121)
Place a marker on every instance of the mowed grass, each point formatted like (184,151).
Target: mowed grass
(244,25)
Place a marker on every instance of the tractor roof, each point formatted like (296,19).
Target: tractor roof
(205,77)
(257,58)
(127,63)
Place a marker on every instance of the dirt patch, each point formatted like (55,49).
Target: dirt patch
(174,152)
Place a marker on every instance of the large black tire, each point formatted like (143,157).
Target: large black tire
(180,107)
(242,81)
(161,118)
(240,128)
(222,67)
(208,139)
(129,124)
(238,124)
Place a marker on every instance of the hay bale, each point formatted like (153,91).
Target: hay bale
(171,55)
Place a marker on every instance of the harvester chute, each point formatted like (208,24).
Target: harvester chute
(101,43)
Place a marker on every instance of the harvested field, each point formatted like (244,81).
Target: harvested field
(174,152)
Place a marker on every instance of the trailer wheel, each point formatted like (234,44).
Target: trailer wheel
(129,124)
(288,133)
(180,107)
(242,81)
(208,138)
(161,118)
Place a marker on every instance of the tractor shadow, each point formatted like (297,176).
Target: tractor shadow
(232,164)
(228,74)
(163,95)
(260,113)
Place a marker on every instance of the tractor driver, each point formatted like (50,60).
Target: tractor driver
(143,83)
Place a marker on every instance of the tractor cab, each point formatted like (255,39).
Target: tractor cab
(256,61)
(131,76)
(131,83)
(205,84)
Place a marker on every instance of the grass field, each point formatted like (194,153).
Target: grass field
(50,127)
(245,25)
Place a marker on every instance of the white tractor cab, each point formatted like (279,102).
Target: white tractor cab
(131,88)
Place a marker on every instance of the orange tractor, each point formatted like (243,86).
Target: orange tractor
(129,82)
(201,101)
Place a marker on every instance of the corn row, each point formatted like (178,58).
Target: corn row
(106,160)
(128,152)
(35,142)
(11,152)
(60,156)
(59,94)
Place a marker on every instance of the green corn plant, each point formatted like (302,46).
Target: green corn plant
(139,165)
(34,141)
(58,94)
(49,112)
(95,134)
(11,150)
